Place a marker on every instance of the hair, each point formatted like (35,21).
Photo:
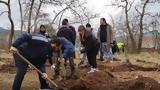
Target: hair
(81,28)
(104,20)
(42,26)
(65,21)
(88,25)
(56,41)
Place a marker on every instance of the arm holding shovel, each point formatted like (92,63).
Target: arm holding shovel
(26,51)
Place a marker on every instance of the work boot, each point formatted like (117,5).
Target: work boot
(72,66)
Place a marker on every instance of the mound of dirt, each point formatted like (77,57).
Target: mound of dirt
(102,81)
(141,83)
(93,81)
(7,66)
(116,67)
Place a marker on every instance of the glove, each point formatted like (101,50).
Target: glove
(83,50)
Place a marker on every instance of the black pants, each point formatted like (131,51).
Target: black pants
(115,49)
(21,71)
(91,56)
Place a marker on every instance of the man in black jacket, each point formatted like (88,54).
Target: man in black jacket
(35,48)
(91,47)
(67,32)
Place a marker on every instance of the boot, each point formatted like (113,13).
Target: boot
(73,71)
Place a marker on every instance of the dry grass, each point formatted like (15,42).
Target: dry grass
(144,56)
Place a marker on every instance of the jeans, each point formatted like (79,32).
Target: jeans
(21,71)
(105,51)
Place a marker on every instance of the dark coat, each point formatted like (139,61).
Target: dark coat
(67,33)
(89,41)
(34,47)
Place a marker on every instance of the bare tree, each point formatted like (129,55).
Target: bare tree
(37,13)
(3,12)
(21,14)
(30,14)
(77,9)
(141,24)
(126,5)
(11,21)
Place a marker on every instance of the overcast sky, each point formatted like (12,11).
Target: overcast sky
(98,6)
(94,5)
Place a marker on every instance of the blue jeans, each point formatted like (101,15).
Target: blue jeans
(105,51)
(21,71)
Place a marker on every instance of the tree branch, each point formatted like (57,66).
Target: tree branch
(4,2)
(3,12)
(131,4)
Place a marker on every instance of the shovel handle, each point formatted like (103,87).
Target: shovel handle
(24,59)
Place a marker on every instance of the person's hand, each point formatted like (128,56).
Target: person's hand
(111,45)
(13,49)
(61,60)
(45,76)
(83,50)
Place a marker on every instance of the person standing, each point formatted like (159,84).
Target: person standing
(66,32)
(91,47)
(35,48)
(115,47)
(104,35)
(74,34)
(43,31)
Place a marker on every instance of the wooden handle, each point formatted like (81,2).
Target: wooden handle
(24,59)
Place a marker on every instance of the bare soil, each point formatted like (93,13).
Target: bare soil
(111,76)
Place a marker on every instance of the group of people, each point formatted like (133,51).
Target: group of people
(39,47)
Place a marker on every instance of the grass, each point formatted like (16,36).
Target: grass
(144,56)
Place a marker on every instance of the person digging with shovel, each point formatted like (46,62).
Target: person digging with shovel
(35,48)
(67,52)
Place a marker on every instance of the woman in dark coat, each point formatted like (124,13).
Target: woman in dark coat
(91,46)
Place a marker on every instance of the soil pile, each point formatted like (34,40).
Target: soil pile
(141,83)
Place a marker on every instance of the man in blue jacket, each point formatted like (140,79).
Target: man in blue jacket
(35,48)
(67,48)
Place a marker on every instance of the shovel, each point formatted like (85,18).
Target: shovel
(24,59)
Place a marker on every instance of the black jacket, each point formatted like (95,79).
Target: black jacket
(89,41)
(67,33)
(74,34)
(35,47)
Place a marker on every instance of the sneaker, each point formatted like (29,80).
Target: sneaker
(91,71)
(95,69)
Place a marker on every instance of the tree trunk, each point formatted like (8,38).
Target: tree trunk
(30,14)
(37,13)
(12,25)
(141,27)
(58,14)
(129,29)
(20,9)
(60,19)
